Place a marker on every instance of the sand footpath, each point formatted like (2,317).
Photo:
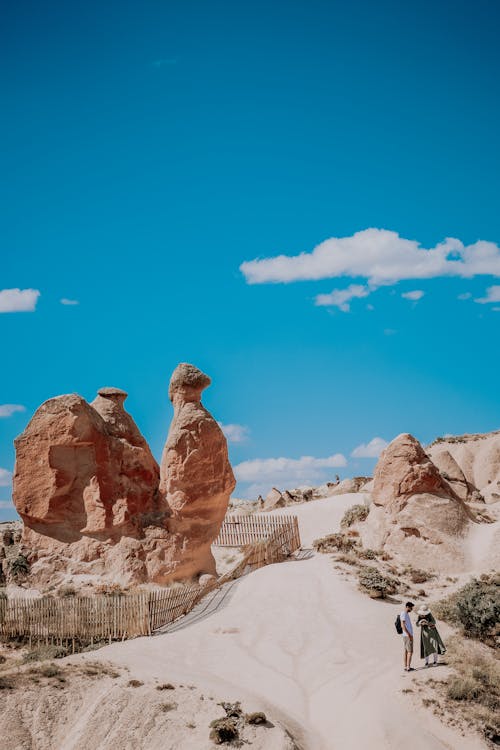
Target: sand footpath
(298,640)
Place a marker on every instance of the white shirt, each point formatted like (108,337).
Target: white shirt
(405,618)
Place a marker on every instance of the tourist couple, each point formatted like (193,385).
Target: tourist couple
(430,640)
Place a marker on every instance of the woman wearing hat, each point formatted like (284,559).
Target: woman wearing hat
(430,640)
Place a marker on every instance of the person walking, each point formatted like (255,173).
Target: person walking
(431,643)
(407,634)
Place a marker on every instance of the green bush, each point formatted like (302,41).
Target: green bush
(475,608)
(376,584)
(355,514)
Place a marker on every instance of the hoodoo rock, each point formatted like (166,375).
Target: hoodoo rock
(415,512)
(88,489)
(196,478)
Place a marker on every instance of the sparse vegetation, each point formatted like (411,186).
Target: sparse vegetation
(135,683)
(43,653)
(66,591)
(377,585)
(227,728)
(355,514)
(19,568)
(165,686)
(476,686)
(420,576)
(475,608)
(171,706)
(334,543)
(258,717)
(368,554)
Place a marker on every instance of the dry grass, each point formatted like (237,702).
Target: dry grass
(334,543)
(354,514)
(474,689)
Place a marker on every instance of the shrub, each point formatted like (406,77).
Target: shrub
(475,608)
(223,730)
(376,584)
(165,686)
(355,514)
(420,576)
(333,543)
(48,670)
(19,567)
(368,554)
(258,717)
(67,590)
(46,652)
(134,683)
(463,689)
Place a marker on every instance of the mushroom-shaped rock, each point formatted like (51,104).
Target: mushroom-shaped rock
(196,478)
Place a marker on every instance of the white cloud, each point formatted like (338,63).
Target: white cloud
(5,478)
(7,410)
(235,433)
(6,505)
(492,295)
(341,297)
(413,296)
(373,449)
(287,472)
(380,256)
(465,295)
(18,300)
(66,301)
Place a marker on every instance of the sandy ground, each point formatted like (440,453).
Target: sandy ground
(299,641)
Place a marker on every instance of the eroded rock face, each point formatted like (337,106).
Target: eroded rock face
(415,513)
(78,474)
(472,461)
(196,476)
(88,489)
(404,469)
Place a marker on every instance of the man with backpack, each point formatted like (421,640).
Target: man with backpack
(405,628)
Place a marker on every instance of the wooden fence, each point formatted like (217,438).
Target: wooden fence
(85,620)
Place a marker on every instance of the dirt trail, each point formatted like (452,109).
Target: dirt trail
(299,639)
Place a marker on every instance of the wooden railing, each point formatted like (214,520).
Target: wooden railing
(86,620)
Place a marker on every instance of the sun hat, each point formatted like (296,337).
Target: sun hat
(423,610)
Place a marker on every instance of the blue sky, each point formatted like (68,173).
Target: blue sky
(150,149)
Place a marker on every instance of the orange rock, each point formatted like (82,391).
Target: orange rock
(196,478)
(88,489)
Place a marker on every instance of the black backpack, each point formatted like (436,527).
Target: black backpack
(398,626)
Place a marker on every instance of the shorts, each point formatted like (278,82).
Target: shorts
(408,644)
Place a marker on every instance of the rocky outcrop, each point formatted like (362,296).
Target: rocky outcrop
(415,512)
(88,489)
(404,469)
(196,476)
(80,471)
(472,462)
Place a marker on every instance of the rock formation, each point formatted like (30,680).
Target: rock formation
(404,469)
(88,489)
(415,512)
(196,476)
(472,463)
